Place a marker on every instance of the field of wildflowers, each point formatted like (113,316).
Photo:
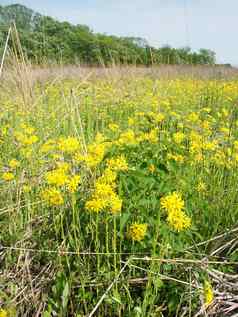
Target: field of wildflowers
(119,198)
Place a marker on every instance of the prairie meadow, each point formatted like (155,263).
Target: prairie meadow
(119,196)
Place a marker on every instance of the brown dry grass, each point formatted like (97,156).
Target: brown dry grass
(43,73)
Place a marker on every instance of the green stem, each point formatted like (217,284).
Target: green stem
(115,242)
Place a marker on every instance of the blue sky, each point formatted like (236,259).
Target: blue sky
(209,24)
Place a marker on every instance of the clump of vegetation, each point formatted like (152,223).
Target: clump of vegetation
(119,197)
(46,40)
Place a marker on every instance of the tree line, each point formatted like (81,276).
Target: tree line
(46,40)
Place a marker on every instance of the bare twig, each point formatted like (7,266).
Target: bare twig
(5,50)
(108,289)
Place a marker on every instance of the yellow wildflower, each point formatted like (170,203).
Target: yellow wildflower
(68,145)
(208,293)
(104,195)
(3,313)
(108,177)
(159,117)
(176,157)
(210,145)
(56,177)
(8,176)
(193,117)
(196,143)
(95,205)
(14,163)
(104,190)
(53,196)
(127,138)
(26,139)
(178,221)
(137,231)
(117,164)
(151,136)
(178,137)
(31,140)
(115,204)
(172,202)
(63,166)
(201,187)
(197,158)
(79,157)
(95,155)
(131,121)
(73,183)
(176,217)
(140,114)
(151,168)
(205,125)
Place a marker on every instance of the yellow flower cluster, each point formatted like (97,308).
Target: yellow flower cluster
(137,231)
(127,138)
(151,136)
(8,176)
(25,136)
(193,117)
(201,187)
(73,183)
(157,117)
(176,157)
(104,196)
(176,217)
(68,145)
(56,177)
(108,177)
(53,196)
(152,168)
(25,139)
(60,180)
(196,142)
(8,312)
(94,154)
(178,137)
(60,177)
(63,166)
(117,164)
(14,163)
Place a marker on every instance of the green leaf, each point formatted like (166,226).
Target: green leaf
(123,220)
(65,295)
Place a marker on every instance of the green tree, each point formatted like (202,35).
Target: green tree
(45,39)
